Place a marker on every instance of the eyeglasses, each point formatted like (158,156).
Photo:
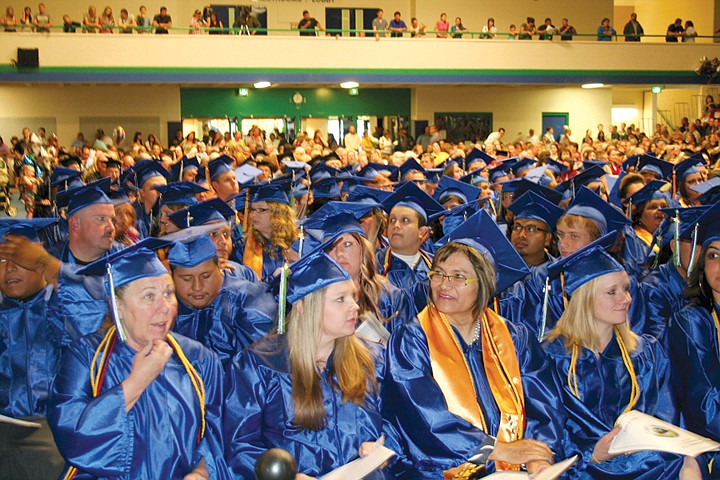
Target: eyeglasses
(455,280)
(528,228)
(259,211)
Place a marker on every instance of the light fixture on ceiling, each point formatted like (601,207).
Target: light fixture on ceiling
(592,85)
(350,85)
(262,84)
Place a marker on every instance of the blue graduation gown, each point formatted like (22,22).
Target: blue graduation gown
(157,438)
(236,318)
(143,221)
(269,266)
(604,386)
(438,440)
(692,338)
(238,271)
(395,305)
(636,253)
(259,415)
(665,297)
(402,276)
(29,355)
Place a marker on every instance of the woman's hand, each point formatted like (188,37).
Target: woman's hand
(522,451)
(199,473)
(600,452)
(302,476)
(690,470)
(147,365)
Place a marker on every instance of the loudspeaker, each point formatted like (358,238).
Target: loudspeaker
(28,58)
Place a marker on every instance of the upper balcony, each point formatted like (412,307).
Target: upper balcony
(231,60)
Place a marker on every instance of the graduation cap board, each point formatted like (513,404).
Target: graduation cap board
(411,196)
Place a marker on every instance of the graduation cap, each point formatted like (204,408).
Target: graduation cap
(679,223)
(557,168)
(65,178)
(595,163)
(631,161)
(477,155)
(537,175)
(688,167)
(247,173)
(592,174)
(410,165)
(177,169)
(28,228)
(709,191)
(312,273)
(708,226)
(605,216)
(213,210)
(118,197)
(321,171)
(94,193)
(591,261)
(68,160)
(496,173)
(144,170)
(450,187)
(270,192)
(524,185)
(362,193)
(433,175)
(179,193)
(522,165)
(532,206)
(220,165)
(125,266)
(335,218)
(373,170)
(293,165)
(651,191)
(192,251)
(112,163)
(474,178)
(661,168)
(613,186)
(456,216)
(326,188)
(482,233)
(411,196)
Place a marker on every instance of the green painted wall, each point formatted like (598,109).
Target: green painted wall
(277,102)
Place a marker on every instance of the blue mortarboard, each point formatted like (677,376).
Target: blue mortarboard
(537,175)
(144,170)
(411,196)
(613,186)
(191,252)
(410,165)
(68,160)
(326,188)
(589,205)
(24,227)
(651,191)
(311,273)
(482,233)
(688,167)
(631,161)
(456,216)
(362,193)
(62,177)
(373,170)
(523,185)
(95,193)
(511,185)
(709,225)
(321,171)
(580,267)
(709,191)
(179,193)
(477,155)
(592,174)
(213,210)
(450,187)
(293,165)
(247,174)
(118,197)
(202,175)
(433,175)
(558,168)
(522,165)
(222,164)
(659,167)
(336,218)
(532,206)
(498,172)
(474,178)
(178,168)
(270,192)
(686,219)
(594,163)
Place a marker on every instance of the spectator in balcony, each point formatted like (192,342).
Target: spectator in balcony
(70,26)
(442,26)
(126,22)
(10,21)
(546,30)
(308,25)
(457,29)
(527,29)
(633,30)
(107,21)
(27,20)
(197,23)
(42,20)
(246,23)
(605,32)
(417,29)
(216,25)
(690,32)
(143,20)
(379,24)
(566,30)
(674,31)
(489,30)
(397,25)
(162,22)
(512,32)
(91,23)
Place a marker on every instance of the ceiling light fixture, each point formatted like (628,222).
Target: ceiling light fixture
(593,85)
(262,84)
(350,85)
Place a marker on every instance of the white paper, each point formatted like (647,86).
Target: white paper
(643,432)
(21,423)
(550,473)
(372,330)
(361,467)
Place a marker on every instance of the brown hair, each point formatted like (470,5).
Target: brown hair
(284,231)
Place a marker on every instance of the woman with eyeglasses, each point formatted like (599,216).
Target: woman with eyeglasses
(465,388)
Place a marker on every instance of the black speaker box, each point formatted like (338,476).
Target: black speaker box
(28,58)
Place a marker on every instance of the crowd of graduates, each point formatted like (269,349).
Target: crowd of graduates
(176,319)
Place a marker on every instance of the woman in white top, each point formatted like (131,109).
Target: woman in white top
(690,32)
(489,30)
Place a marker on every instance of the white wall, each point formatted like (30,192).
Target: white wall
(656,15)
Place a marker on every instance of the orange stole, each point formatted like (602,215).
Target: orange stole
(452,374)
(253,256)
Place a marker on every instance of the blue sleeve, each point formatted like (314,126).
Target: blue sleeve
(211,446)
(254,316)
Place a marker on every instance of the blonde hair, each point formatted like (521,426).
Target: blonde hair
(352,363)
(284,231)
(577,323)
(576,221)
